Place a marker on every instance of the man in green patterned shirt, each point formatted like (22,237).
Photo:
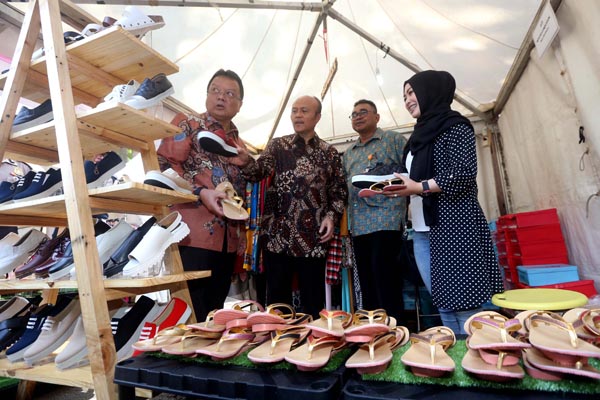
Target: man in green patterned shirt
(376,222)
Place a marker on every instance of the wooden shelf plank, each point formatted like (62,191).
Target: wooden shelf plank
(115,51)
(78,377)
(32,284)
(106,127)
(130,197)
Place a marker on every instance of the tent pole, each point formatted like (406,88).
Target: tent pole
(292,84)
(398,57)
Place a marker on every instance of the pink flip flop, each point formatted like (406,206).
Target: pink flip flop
(239,310)
(368,324)
(315,352)
(231,343)
(331,322)
(375,356)
(474,364)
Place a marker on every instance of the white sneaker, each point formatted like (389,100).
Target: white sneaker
(122,93)
(21,250)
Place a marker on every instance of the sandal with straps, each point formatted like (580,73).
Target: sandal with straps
(232,342)
(233,205)
(540,360)
(427,355)
(494,332)
(368,324)
(375,356)
(315,352)
(164,337)
(473,363)
(208,325)
(331,322)
(275,350)
(240,310)
(191,342)
(554,336)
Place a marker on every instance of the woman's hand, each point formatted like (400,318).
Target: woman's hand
(412,187)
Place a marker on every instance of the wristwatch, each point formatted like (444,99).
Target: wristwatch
(426,190)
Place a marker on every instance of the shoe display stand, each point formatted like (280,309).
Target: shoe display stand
(83,72)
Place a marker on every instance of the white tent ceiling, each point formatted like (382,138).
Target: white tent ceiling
(475,40)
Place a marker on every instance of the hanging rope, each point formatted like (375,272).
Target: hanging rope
(207,37)
(260,44)
(362,42)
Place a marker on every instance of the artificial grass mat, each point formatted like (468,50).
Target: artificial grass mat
(8,382)
(398,372)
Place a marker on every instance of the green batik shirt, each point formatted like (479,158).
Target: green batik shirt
(377,213)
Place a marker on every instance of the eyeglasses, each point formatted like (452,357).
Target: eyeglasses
(230,94)
(360,113)
(380,186)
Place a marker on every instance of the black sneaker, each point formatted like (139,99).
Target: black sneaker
(381,172)
(97,173)
(151,92)
(44,184)
(27,118)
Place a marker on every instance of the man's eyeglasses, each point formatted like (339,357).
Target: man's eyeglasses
(230,94)
(357,114)
(380,186)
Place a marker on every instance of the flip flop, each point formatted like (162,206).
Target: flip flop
(331,322)
(275,350)
(591,320)
(300,320)
(375,356)
(315,352)
(427,356)
(191,342)
(493,331)
(580,368)
(552,334)
(368,324)
(499,358)
(538,373)
(208,325)
(167,336)
(474,364)
(277,313)
(231,343)
(239,310)
(233,205)
(576,317)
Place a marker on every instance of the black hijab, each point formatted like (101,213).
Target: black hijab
(434,91)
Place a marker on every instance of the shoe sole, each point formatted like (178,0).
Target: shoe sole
(139,102)
(159,180)
(76,360)
(62,272)
(18,356)
(53,346)
(100,180)
(214,144)
(46,193)
(42,119)
(364,181)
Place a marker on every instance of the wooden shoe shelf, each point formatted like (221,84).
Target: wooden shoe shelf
(84,72)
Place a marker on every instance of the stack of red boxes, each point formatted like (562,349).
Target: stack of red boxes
(534,239)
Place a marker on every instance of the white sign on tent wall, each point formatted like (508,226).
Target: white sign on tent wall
(545,30)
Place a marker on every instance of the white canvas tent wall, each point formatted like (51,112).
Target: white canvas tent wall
(534,156)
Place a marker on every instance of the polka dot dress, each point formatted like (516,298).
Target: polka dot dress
(464,270)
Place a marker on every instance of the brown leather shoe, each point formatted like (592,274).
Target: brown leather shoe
(41,255)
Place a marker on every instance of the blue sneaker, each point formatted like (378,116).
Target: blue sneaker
(97,173)
(24,182)
(7,191)
(34,327)
(44,184)
(28,118)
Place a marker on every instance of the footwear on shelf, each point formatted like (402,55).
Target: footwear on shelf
(13,307)
(131,324)
(69,38)
(24,183)
(75,352)
(44,184)
(138,23)
(22,250)
(151,92)
(41,255)
(7,191)
(59,251)
(97,173)
(167,179)
(120,256)
(122,93)
(28,118)
(34,327)
(6,244)
(55,331)
(151,249)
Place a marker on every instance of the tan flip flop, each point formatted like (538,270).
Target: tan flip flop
(315,352)
(368,324)
(553,335)
(275,350)
(493,331)
(331,322)
(581,367)
(233,205)
(277,313)
(167,336)
(239,310)
(375,356)
(427,356)
(208,325)
(536,372)
(474,364)
(191,342)
(231,343)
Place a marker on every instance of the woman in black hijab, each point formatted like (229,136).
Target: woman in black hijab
(452,241)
